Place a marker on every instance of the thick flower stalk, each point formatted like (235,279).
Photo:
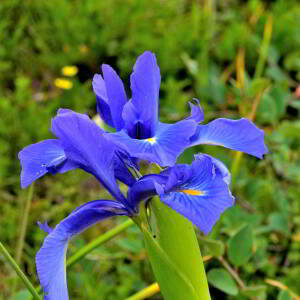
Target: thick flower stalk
(181,195)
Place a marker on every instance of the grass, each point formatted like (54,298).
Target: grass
(240,58)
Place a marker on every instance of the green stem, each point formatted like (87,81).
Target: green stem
(23,229)
(98,241)
(19,272)
(174,254)
(24,223)
(235,167)
(263,52)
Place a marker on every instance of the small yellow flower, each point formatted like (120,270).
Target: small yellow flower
(63,83)
(69,71)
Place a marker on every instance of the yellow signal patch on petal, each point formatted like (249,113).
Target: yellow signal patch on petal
(151,140)
(192,192)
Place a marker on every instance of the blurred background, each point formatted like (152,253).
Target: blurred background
(240,58)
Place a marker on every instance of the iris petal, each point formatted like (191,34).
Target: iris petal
(220,167)
(81,145)
(110,96)
(141,113)
(121,171)
(85,145)
(144,188)
(170,140)
(103,108)
(197,113)
(116,95)
(40,158)
(50,260)
(241,135)
(203,194)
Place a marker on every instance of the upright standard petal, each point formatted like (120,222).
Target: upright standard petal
(51,259)
(241,135)
(198,192)
(141,112)
(85,145)
(116,95)
(103,108)
(41,158)
(168,143)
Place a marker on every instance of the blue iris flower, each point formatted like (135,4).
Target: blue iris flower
(199,191)
(139,131)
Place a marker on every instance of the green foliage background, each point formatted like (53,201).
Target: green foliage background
(201,47)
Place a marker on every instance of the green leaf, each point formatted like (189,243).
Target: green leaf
(191,65)
(174,254)
(284,295)
(215,248)
(165,270)
(290,130)
(279,222)
(240,246)
(292,61)
(267,110)
(133,245)
(258,291)
(281,97)
(277,74)
(221,279)
(258,86)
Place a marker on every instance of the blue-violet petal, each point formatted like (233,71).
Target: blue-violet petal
(85,145)
(241,135)
(164,148)
(141,112)
(51,258)
(202,195)
(116,95)
(40,158)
